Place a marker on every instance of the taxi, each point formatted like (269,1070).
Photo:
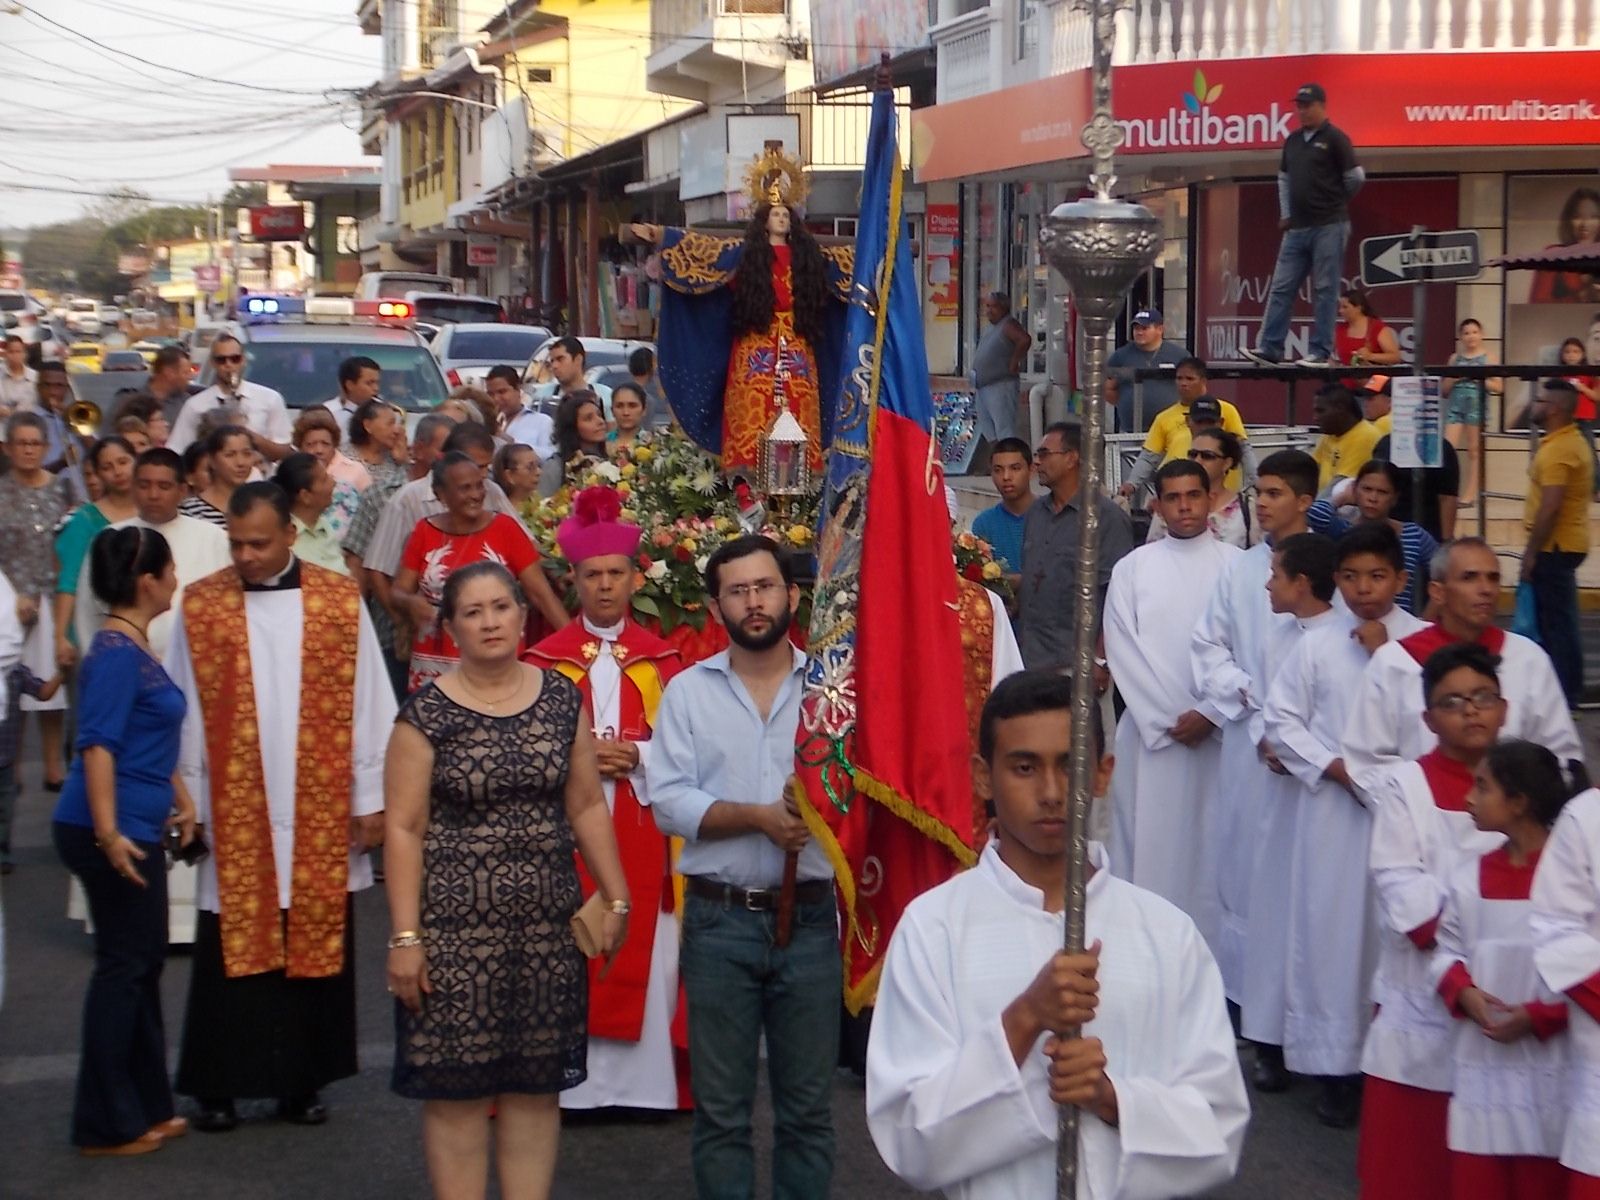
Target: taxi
(84,358)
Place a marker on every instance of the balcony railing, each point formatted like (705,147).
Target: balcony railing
(670,19)
(1180,30)
(968,53)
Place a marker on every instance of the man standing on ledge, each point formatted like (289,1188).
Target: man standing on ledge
(1317,176)
(997,369)
(283,753)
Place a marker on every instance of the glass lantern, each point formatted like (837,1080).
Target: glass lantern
(785,465)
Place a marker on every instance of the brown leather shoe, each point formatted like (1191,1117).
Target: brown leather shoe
(144,1144)
(172,1127)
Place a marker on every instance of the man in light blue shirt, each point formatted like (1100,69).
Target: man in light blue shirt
(722,751)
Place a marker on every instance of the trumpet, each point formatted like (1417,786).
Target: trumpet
(84,417)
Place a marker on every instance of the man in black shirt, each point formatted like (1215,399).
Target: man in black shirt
(1317,175)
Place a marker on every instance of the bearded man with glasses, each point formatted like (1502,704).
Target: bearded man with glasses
(261,409)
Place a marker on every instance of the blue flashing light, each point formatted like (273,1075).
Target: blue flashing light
(266,310)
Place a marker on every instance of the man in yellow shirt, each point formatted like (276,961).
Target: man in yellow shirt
(1170,433)
(1556,515)
(1347,436)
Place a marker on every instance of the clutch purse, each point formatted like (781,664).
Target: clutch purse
(588,925)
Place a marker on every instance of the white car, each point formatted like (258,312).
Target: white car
(467,351)
(110,317)
(83,317)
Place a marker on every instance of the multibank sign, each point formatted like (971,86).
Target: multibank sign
(1422,101)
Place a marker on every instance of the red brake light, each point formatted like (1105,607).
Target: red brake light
(453,378)
(397,309)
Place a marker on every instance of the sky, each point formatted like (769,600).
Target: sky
(222,83)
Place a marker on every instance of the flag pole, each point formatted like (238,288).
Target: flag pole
(1100,246)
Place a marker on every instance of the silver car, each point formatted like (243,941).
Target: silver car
(467,351)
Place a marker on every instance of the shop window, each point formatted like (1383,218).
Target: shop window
(541,75)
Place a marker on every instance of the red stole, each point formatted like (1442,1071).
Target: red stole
(1448,780)
(617,991)
(1422,644)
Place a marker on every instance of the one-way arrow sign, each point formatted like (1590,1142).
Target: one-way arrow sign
(1420,258)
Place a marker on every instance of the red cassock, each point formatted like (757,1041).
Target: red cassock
(617,991)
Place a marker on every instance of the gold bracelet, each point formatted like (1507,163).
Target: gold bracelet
(621,907)
(405,940)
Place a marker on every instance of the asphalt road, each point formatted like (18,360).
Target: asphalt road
(371,1146)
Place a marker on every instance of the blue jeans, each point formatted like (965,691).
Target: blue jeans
(1317,252)
(1555,594)
(739,985)
(8,807)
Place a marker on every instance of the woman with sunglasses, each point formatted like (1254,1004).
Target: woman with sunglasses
(1218,452)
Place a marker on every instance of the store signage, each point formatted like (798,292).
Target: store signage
(1418,422)
(277,222)
(208,278)
(1380,100)
(483,252)
(1420,258)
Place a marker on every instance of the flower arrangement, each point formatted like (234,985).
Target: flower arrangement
(676,493)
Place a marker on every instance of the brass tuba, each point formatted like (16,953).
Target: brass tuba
(84,417)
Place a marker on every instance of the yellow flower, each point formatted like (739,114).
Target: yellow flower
(991,570)
(643,454)
(800,535)
(629,471)
(689,545)
(724,524)
(624,489)
(629,515)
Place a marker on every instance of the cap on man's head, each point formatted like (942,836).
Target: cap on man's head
(1205,408)
(1311,93)
(1560,385)
(1377,385)
(1148,316)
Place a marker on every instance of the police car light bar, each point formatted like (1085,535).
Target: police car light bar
(323,310)
(271,310)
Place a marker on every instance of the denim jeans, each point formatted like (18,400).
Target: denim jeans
(123,1088)
(739,985)
(1555,593)
(1317,252)
(8,807)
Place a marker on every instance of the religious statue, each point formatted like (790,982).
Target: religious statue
(754,326)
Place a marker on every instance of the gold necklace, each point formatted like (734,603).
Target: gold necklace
(484,700)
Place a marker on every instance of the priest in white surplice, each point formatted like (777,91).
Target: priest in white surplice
(1229,658)
(1331,948)
(1386,727)
(1166,832)
(289,713)
(964,1068)
(199,548)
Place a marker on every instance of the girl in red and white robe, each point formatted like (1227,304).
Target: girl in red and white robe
(1507,1115)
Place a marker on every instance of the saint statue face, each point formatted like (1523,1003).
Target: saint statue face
(779,219)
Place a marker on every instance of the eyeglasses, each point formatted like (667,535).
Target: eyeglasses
(1481,701)
(1205,455)
(27,444)
(1043,452)
(745,592)
(227,358)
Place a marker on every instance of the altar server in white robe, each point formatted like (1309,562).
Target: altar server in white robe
(1422,832)
(1566,936)
(1229,659)
(1166,831)
(289,714)
(1508,1111)
(1300,587)
(966,1066)
(198,549)
(1386,726)
(1331,950)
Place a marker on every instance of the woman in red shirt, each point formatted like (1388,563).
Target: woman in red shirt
(464,533)
(1361,339)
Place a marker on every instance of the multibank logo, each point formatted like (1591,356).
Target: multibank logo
(1195,127)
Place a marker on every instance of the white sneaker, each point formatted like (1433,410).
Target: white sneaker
(1260,359)
(1311,360)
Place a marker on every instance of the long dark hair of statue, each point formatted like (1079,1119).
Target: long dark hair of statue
(752,284)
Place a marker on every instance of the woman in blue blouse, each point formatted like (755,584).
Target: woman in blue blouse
(121,794)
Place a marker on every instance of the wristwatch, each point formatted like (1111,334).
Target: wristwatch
(621,907)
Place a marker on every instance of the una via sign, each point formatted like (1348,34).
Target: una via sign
(1420,257)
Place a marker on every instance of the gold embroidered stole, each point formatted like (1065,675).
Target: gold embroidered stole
(241,829)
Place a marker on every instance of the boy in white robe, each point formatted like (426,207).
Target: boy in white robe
(1422,832)
(1331,948)
(1166,834)
(1386,726)
(967,1063)
(1566,949)
(1228,655)
(1300,588)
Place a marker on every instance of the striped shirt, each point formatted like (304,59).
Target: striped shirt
(1416,543)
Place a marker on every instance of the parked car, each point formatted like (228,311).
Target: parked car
(23,316)
(597,352)
(393,285)
(467,351)
(448,308)
(110,316)
(83,317)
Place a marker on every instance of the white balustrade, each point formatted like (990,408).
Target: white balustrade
(1536,14)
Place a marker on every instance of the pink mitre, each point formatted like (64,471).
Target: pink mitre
(595,528)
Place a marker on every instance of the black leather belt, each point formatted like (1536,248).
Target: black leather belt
(810,891)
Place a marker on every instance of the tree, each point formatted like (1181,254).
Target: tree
(72,255)
(117,206)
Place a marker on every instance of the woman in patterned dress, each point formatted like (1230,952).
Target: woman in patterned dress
(33,503)
(490,782)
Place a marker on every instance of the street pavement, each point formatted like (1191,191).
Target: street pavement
(371,1146)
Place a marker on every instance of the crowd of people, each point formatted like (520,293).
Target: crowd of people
(299,648)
